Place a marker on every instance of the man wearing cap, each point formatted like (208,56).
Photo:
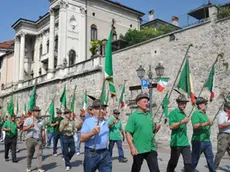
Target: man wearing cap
(116,135)
(11,129)
(223,137)
(179,140)
(68,130)
(201,135)
(90,112)
(140,131)
(95,134)
(35,138)
(56,131)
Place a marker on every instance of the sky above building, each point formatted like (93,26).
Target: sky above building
(12,10)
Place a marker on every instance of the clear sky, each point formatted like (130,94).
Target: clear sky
(12,10)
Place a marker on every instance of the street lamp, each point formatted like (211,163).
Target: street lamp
(159,72)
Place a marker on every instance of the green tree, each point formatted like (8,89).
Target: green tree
(223,12)
(94,45)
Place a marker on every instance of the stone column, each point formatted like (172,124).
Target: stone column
(22,55)
(62,34)
(16,59)
(51,44)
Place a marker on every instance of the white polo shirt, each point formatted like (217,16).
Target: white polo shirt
(223,117)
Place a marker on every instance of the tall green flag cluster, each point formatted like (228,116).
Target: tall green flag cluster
(10,107)
(63,98)
(210,82)
(51,110)
(32,101)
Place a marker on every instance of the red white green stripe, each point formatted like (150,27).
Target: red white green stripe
(162,84)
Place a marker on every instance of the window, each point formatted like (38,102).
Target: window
(72,57)
(93,32)
(56,43)
(40,51)
(48,45)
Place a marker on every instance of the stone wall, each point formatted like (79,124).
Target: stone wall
(208,39)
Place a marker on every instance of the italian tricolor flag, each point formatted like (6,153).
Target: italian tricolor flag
(85,102)
(24,111)
(121,100)
(109,65)
(185,82)
(162,84)
(210,82)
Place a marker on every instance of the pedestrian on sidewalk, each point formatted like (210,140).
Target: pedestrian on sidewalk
(57,135)
(140,131)
(35,138)
(223,144)
(116,135)
(179,140)
(68,129)
(201,135)
(78,134)
(97,156)
(11,129)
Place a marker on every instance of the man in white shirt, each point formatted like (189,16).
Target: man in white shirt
(224,134)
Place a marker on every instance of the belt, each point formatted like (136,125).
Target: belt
(96,150)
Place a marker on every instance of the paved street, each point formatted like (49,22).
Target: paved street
(56,164)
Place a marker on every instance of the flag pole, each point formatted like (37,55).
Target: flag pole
(49,106)
(221,106)
(217,58)
(72,99)
(190,45)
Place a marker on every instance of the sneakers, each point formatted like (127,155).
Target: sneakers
(7,159)
(78,153)
(28,170)
(123,160)
(40,170)
(67,168)
(55,154)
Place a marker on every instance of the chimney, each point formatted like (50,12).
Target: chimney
(151,15)
(175,20)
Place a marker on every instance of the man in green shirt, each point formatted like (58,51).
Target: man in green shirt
(179,140)
(140,131)
(116,135)
(11,129)
(56,132)
(201,135)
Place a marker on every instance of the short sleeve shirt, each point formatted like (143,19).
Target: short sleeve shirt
(178,136)
(223,117)
(141,126)
(56,128)
(115,130)
(70,129)
(200,134)
(36,131)
(13,128)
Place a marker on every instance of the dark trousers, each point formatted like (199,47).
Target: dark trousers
(175,154)
(150,157)
(49,138)
(10,143)
(97,160)
(119,147)
(57,136)
(202,147)
(68,149)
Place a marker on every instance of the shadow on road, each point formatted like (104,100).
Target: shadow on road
(76,163)
(21,158)
(46,156)
(49,166)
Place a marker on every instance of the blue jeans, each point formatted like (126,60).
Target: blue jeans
(78,142)
(68,149)
(119,147)
(57,136)
(97,160)
(49,138)
(198,148)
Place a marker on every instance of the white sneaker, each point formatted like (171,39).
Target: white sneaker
(67,168)
(78,153)
(40,170)
(28,170)
(55,154)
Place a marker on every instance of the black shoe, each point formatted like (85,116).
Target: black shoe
(123,160)
(15,161)
(7,159)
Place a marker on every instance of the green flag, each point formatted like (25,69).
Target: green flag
(32,101)
(210,82)
(185,82)
(104,96)
(109,65)
(228,98)
(63,98)
(73,101)
(10,107)
(51,110)
(121,100)
(164,105)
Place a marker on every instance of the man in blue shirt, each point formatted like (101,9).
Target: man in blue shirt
(97,156)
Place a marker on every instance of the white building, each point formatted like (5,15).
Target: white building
(61,38)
